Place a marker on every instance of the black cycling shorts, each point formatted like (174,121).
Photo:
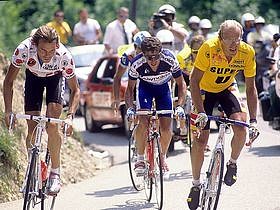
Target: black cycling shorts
(229,99)
(34,90)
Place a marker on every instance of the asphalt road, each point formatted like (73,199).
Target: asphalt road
(257,187)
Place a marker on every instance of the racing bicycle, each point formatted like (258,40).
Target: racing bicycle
(211,186)
(34,187)
(153,176)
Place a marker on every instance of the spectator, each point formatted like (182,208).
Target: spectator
(166,38)
(164,19)
(275,86)
(61,27)
(193,24)
(87,30)
(119,31)
(205,27)
(259,34)
(247,21)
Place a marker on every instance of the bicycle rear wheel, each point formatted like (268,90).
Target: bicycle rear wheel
(158,174)
(137,181)
(212,190)
(30,183)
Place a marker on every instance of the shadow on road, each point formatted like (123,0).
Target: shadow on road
(134,204)
(270,151)
(101,138)
(113,192)
(179,176)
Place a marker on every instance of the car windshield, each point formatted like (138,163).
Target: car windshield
(86,59)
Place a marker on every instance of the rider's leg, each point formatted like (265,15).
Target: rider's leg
(197,153)
(165,133)
(239,137)
(141,134)
(54,139)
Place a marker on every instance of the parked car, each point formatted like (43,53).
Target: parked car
(85,57)
(99,95)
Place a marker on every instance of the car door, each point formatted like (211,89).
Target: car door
(101,88)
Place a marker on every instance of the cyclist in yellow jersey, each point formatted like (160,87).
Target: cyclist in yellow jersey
(213,80)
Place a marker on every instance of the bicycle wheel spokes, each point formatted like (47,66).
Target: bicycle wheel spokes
(137,181)
(158,174)
(214,182)
(148,183)
(29,196)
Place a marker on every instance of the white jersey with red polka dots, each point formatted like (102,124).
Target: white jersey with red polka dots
(26,55)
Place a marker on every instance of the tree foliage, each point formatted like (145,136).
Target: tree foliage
(19,17)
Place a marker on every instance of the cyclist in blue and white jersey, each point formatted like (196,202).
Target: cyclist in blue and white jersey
(151,73)
(125,62)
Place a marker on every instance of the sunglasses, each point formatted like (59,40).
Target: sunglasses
(59,15)
(152,57)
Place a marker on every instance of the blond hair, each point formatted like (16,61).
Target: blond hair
(45,33)
(229,24)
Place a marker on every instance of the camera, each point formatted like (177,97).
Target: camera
(157,20)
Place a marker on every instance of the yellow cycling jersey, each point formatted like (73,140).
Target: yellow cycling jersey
(184,60)
(219,74)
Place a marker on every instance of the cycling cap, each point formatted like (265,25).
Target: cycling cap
(247,17)
(165,36)
(260,20)
(194,19)
(139,37)
(205,23)
(167,8)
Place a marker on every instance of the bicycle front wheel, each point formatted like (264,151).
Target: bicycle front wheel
(212,190)
(30,183)
(137,181)
(189,136)
(158,174)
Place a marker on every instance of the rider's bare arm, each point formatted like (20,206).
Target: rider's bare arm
(129,94)
(251,94)
(195,78)
(75,94)
(117,82)
(8,90)
(182,90)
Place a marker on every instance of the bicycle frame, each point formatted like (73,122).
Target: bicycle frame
(209,191)
(153,135)
(35,172)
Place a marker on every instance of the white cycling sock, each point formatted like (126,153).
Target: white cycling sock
(55,170)
(140,157)
(196,182)
(232,160)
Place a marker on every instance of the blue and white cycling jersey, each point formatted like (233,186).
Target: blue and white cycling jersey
(167,68)
(127,57)
(154,84)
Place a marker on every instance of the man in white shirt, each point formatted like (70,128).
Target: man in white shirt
(120,31)
(87,30)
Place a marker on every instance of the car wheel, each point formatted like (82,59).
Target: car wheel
(91,125)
